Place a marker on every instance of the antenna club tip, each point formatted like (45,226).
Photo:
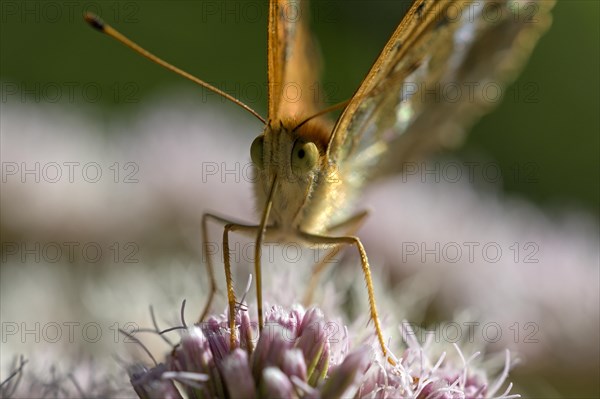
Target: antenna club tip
(94,21)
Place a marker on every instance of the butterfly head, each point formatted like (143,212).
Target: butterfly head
(293,160)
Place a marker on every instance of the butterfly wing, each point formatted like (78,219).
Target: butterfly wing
(432,80)
(294,64)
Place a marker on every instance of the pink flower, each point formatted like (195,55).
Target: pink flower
(293,357)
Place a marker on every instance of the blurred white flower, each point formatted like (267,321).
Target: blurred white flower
(531,278)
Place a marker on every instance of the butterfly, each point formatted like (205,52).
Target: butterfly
(310,169)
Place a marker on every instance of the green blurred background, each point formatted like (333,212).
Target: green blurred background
(548,124)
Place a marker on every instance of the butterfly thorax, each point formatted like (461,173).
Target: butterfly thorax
(305,192)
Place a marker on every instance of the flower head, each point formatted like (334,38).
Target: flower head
(294,356)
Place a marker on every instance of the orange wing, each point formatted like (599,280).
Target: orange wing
(294,64)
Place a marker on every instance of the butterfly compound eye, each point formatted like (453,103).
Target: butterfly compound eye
(256,151)
(304,157)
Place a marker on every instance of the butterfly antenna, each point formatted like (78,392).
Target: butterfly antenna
(322,112)
(99,25)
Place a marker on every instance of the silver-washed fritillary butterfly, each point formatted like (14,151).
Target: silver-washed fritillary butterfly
(387,122)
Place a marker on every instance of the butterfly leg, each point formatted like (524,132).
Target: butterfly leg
(317,239)
(348,227)
(260,237)
(209,261)
(230,227)
(260,232)
(209,267)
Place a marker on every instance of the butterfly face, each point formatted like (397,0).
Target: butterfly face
(294,159)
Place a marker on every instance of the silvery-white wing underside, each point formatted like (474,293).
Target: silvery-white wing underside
(442,68)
